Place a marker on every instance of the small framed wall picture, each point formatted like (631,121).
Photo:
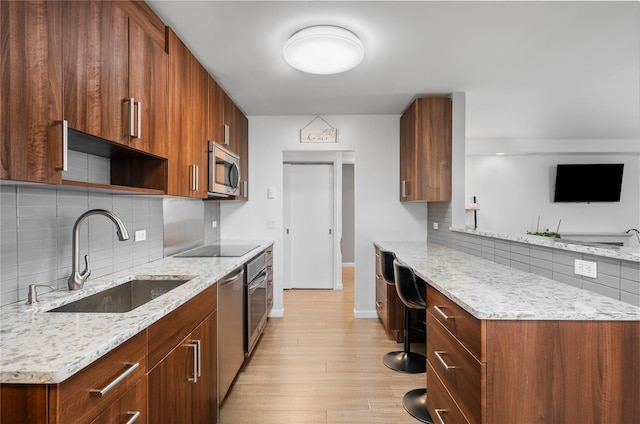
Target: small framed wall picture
(312,133)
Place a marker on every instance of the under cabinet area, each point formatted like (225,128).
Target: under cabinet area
(425,150)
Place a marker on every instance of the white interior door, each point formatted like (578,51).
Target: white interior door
(309,224)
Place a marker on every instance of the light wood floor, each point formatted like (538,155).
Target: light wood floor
(319,365)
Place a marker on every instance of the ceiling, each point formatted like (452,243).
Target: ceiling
(530,70)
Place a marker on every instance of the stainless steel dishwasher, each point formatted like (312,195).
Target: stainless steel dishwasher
(230,329)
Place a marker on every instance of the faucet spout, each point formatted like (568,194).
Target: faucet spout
(77,278)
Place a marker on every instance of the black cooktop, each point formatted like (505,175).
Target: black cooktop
(218,250)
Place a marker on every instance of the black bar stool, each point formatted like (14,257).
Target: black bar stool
(413,294)
(404,360)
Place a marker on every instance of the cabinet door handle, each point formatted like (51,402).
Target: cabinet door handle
(139,129)
(131,367)
(378,305)
(438,412)
(404,188)
(445,316)
(446,366)
(193,180)
(134,416)
(244,189)
(65,145)
(226,134)
(197,177)
(194,378)
(199,349)
(132,118)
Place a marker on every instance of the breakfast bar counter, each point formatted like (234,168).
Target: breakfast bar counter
(506,346)
(491,291)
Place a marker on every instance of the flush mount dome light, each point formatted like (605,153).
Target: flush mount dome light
(323,49)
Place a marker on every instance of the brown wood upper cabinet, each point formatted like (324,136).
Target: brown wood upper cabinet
(115,75)
(31,101)
(187,128)
(425,150)
(228,126)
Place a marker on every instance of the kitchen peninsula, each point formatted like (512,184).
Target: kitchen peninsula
(506,346)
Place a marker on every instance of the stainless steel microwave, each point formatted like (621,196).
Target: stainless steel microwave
(224,171)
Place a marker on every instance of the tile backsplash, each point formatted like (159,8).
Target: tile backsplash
(36,228)
(617,279)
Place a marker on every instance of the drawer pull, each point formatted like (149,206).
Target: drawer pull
(134,416)
(446,366)
(378,305)
(132,366)
(441,312)
(438,412)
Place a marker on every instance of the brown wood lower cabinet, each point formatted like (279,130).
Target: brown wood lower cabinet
(169,370)
(131,406)
(182,387)
(72,401)
(269,253)
(388,304)
(525,372)
(183,363)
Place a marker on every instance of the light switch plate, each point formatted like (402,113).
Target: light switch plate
(435,225)
(271,193)
(140,235)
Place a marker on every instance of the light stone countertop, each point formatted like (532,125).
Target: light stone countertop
(37,347)
(492,291)
(615,252)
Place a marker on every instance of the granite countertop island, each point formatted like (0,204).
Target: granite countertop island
(37,347)
(490,291)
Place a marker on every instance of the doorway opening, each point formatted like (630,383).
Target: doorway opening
(318,207)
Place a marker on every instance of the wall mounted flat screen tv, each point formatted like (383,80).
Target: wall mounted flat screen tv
(588,183)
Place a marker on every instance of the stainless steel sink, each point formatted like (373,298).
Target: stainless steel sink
(123,298)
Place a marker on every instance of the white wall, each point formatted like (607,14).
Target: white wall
(378,213)
(513,191)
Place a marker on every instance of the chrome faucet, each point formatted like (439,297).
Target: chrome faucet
(77,278)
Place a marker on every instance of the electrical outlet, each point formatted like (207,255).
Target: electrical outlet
(435,225)
(586,268)
(214,224)
(271,224)
(140,235)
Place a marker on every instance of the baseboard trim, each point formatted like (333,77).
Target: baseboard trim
(276,313)
(365,314)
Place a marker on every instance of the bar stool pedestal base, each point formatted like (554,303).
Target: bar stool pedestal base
(415,402)
(408,362)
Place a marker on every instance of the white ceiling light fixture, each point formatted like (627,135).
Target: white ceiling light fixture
(324,50)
